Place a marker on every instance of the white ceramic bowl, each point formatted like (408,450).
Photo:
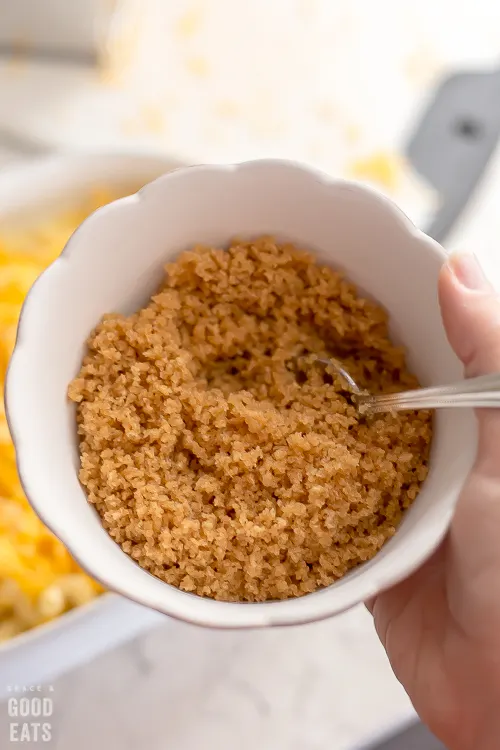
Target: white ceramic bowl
(114,262)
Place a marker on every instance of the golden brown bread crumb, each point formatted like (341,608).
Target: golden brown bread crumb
(220,462)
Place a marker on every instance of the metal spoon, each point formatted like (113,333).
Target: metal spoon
(480,392)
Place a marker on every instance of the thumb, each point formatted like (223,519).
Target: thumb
(471,315)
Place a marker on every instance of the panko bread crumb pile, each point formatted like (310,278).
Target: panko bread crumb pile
(218,459)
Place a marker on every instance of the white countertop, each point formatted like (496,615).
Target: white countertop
(324,686)
(349,90)
(179,687)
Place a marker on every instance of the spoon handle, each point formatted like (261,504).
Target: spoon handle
(480,392)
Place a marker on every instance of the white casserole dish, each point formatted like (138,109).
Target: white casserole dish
(45,187)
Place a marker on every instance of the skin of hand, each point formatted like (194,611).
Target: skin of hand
(441,627)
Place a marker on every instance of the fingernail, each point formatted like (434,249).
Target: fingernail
(468,271)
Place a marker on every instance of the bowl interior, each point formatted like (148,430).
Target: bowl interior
(114,262)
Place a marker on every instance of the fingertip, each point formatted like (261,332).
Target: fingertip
(461,275)
(453,304)
(468,272)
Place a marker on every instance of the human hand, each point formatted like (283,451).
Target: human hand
(441,627)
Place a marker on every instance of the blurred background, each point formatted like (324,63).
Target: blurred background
(403,96)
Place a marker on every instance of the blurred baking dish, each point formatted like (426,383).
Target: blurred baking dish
(48,606)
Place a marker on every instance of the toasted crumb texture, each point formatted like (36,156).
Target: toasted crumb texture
(219,457)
